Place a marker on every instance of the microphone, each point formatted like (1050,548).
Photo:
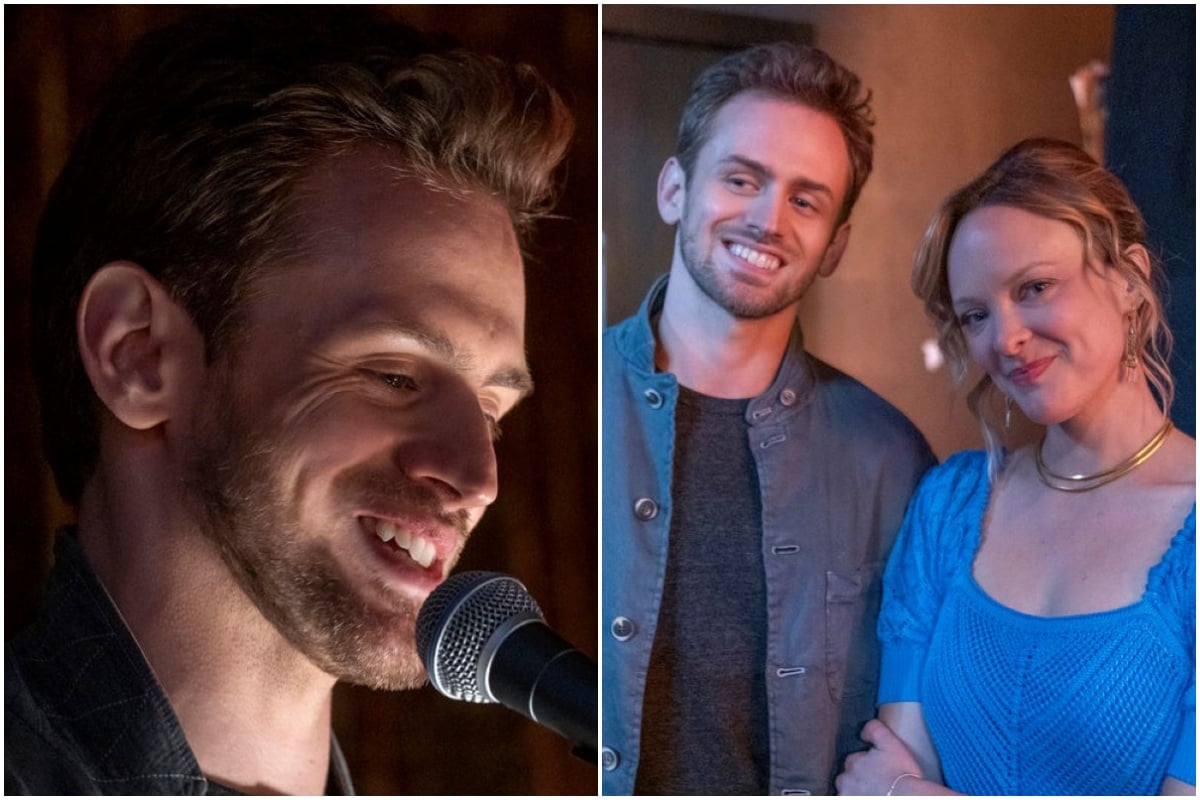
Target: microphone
(482,639)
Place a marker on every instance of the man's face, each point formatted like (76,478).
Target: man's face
(345,450)
(758,215)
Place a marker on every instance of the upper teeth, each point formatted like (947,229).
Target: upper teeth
(419,549)
(762,260)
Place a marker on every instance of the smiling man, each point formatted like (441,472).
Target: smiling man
(751,492)
(281,305)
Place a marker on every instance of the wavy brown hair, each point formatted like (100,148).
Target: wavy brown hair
(794,72)
(190,167)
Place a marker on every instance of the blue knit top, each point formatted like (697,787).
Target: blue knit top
(1092,704)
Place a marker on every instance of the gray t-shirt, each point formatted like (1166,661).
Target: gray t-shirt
(704,725)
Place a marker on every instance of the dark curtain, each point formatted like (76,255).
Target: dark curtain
(542,529)
(1151,146)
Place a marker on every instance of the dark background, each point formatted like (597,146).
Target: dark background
(1151,146)
(543,527)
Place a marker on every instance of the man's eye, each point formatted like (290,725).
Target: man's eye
(398,381)
(493,426)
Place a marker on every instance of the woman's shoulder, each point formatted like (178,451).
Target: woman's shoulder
(947,511)
(962,476)
(939,534)
(1180,463)
(1173,579)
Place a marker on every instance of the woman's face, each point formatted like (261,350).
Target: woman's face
(1048,326)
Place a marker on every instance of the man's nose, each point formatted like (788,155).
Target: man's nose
(453,454)
(766,210)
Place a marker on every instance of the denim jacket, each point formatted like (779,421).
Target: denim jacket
(836,466)
(84,713)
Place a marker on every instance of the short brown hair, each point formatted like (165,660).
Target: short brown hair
(190,165)
(793,72)
(1059,181)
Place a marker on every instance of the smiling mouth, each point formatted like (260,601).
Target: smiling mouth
(754,257)
(1026,375)
(419,549)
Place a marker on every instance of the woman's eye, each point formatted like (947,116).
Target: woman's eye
(1034,288)
(970,318)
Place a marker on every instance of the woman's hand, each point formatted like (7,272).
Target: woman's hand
(875,771)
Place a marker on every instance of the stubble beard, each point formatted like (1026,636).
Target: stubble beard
(740,302)
(293,579)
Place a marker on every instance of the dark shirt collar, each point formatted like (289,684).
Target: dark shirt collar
(81,674)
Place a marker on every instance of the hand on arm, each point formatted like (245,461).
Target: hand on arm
(893,765)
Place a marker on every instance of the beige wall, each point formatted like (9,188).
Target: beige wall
(953,87)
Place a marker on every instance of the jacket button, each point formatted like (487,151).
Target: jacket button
(787,397)
(645,509)
(609,759)
(623,629)
(653,398)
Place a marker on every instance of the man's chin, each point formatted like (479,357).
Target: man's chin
(375,667)
(394,681)
(379,652)
(351,640)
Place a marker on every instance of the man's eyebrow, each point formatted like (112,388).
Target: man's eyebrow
(436,343)
(761,169)
(747,163)
(517,378)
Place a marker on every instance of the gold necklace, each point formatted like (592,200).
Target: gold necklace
(1085,483)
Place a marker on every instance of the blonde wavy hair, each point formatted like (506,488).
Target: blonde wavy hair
(1059,181)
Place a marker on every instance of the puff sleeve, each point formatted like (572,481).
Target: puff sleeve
(939,535)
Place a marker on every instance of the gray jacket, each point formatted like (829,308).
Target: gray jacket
(836,466)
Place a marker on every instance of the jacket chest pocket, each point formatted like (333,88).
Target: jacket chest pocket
(851,647)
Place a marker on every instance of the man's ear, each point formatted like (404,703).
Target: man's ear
(671,191)
(833,253)
(136,344)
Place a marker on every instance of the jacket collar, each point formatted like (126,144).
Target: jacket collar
(790,390)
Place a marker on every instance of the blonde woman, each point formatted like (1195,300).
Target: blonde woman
(1038,625)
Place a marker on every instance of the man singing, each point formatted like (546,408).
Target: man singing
(279,301)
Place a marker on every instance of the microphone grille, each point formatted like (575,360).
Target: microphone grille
(457,620)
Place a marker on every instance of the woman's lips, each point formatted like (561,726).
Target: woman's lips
(1027,375)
